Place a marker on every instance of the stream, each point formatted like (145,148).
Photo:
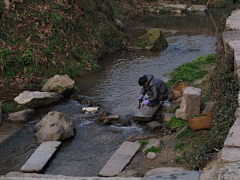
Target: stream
(116,87)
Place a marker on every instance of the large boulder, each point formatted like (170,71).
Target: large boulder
(55,126)
(153,40)
(190,104)
(23,115)
(62,84)
(36,98)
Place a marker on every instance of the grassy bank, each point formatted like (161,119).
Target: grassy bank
(219,85)
(42,38)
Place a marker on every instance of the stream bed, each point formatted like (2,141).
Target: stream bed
(116,87)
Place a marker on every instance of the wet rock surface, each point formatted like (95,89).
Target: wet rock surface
(53,127)
(59,83)
(36,98)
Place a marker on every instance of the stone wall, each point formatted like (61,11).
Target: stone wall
(231,149)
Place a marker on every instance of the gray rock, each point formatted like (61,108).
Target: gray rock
(111,119)
(230,154)
(195,8)
(24,115)
(208,107)
(152,142)
(190,104)
(237,112)
(163,170)
(167,116)
(120,159)
(53,127)
(59,83)
(36,98)
(151,155)
(185,175)
(229,172)
(40,157)
(153,125)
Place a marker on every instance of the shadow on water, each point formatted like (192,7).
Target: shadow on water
(189,36)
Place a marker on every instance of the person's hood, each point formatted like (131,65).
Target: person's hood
(149,77)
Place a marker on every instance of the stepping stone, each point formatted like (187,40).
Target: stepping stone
(163,170)
(40,157)
(120,159)
(146,113)
(230,154)
(185,175)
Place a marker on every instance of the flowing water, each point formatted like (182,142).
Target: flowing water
(116,87)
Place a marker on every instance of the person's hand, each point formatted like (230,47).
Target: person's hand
(141,96)
(146,102)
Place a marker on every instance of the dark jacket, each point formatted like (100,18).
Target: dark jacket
(156,89)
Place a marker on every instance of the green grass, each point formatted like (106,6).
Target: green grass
(186,133)
(177,122)
(179,160)
(143,144)
(191,71)
(179,145)
(152,149)
(8,107)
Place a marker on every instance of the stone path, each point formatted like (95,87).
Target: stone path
(41,156)
(146,113)
(120,159)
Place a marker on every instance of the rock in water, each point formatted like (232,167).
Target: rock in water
(154,40)
(36,98)
(59,83)
(54,126)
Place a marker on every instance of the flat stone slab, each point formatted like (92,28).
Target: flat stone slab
(34,176)
(185,175)
(40,157)
(146,113)
(167,116)
(231,154)
(163,170)
(120,159)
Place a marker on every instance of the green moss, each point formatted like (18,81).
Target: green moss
(177,122)
(143,144)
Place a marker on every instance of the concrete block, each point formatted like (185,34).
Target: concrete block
(120,159)
(40,157)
